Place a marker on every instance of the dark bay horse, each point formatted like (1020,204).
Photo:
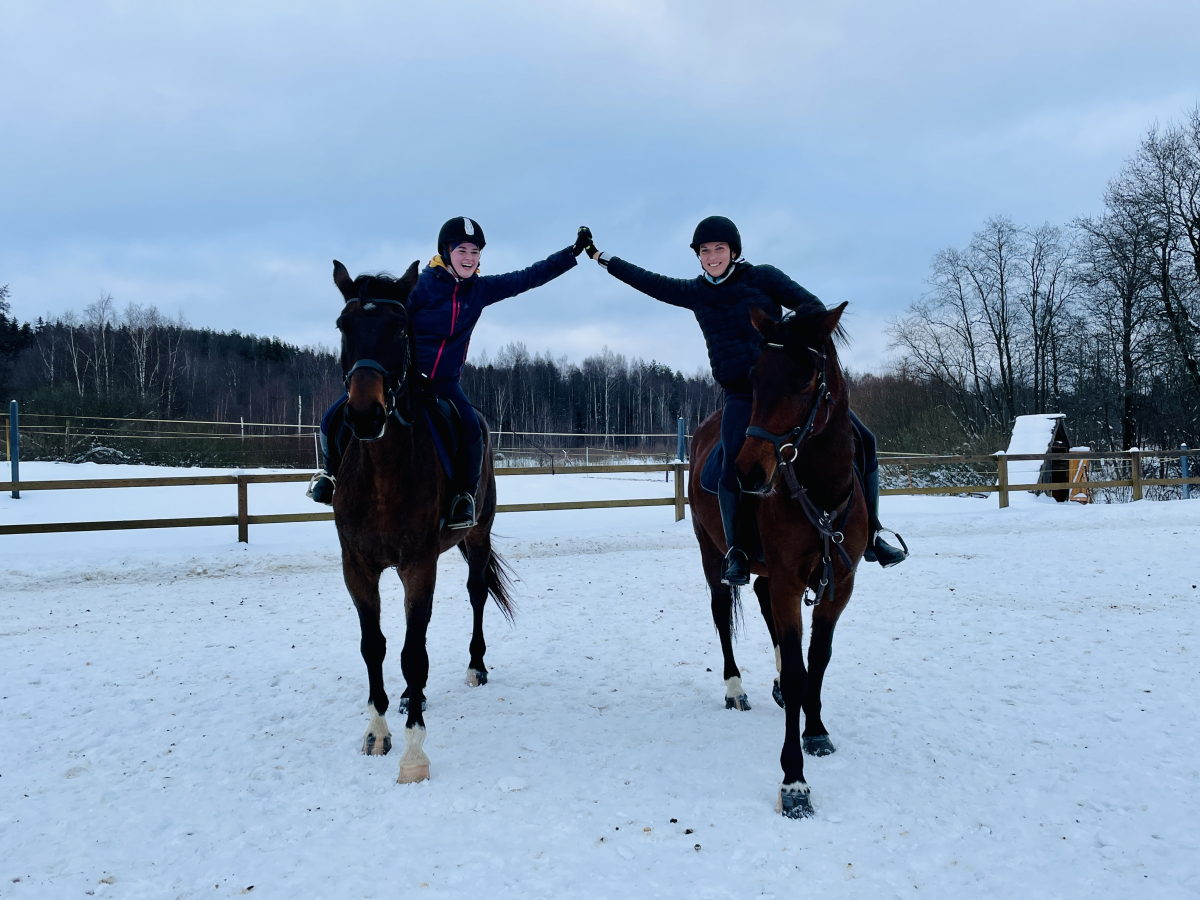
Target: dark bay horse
(389,503)
(812,519)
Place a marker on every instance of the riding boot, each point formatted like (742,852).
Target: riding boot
(322,486)
(878,550)
(462,507)
(736,570)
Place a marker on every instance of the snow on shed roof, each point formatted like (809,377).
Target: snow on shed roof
(1031,434)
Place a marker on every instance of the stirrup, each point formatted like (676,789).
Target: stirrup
(321,488)
(462,512)
(736,571)
(884,553)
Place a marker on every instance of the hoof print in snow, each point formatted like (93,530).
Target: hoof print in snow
(741,701)
(475,678)
(413,774)
(777,693)
(372,746)
(794,801)
(818,745)
(402,705)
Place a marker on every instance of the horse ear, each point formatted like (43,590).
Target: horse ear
(830,322)
(344,282)
(409,279)
(764,323)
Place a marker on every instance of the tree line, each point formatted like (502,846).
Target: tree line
(1096,318)
(136,363)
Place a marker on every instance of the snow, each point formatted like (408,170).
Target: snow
(181,716)
(1030,434)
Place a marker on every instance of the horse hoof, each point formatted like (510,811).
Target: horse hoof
(402,705)
(372,746)
(741,701)
(818,745)
(413,774)
(475,678)
(794,801)
(777,693)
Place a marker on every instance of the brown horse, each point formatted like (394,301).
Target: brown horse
(389,504)
(812,520)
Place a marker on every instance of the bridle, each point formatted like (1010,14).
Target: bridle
(791,440)
(829,524)
(394,382)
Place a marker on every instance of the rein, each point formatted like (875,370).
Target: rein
(829,524)
(393,383)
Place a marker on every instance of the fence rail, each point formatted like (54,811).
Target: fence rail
(243,520)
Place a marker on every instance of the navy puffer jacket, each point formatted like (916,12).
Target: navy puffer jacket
(444,309)
(723,310)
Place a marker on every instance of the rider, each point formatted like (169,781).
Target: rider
(444,306)
(721,298)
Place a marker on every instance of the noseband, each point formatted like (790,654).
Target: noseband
(393,382)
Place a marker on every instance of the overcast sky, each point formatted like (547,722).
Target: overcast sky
(213,158)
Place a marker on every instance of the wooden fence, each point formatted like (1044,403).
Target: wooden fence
(243,520)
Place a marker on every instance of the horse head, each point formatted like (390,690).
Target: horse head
(796,375)
(376,356)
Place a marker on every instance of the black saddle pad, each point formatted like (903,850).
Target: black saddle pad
(445,424)
(711,474)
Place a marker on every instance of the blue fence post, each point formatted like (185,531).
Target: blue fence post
(14,448)
(680,448)
(1183,464)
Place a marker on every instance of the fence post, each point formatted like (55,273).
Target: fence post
(1002,479)
(678,467)
(680,449)
(1183,465)
(1135,473)
(14,448)
(243,511)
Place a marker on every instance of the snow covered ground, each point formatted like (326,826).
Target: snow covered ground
(180,716)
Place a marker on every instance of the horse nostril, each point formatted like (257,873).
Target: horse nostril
(367,424)
(752,480)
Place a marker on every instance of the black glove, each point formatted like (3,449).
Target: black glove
(583,242)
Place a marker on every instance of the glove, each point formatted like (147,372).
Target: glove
(583,242)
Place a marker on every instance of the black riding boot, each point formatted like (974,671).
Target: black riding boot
(878,550)
(324,482)
(736,570)
(462,507)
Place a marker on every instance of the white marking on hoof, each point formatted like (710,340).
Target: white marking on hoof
(378,739)
(778,660)
(414,764)
(473,679)
(735,694)
(794,801)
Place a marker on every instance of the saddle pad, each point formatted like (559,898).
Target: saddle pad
(446,428)
(711,473)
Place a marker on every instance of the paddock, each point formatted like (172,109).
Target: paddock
(1014,709)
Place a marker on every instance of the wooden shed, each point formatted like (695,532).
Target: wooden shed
(1042,433)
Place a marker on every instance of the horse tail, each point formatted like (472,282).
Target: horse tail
(737,621)
(498,576)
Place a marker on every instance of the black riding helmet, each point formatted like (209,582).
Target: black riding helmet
(459,230)
(717,228)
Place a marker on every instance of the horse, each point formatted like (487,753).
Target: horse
(389,503)
(811,512)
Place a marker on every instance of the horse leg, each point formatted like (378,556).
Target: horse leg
(419,578)
(786,591)
(364,589)
(478,553)
(762,590)
(722,613)
(820,649)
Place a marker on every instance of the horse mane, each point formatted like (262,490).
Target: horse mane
(385,285)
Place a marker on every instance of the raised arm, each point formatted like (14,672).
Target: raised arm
(676,291)
(501,287)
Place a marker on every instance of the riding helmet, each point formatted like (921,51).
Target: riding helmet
(717,228)
(459,230)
